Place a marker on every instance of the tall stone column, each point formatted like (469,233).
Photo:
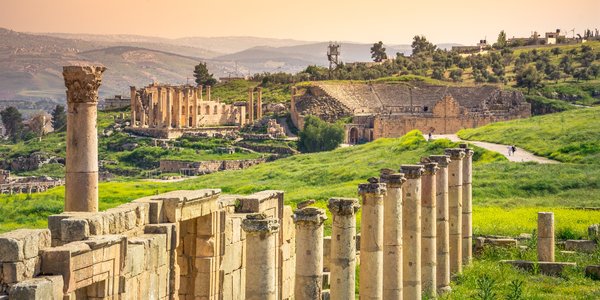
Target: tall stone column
(169,108)
(186,97)
(442,226)
(309,253)
(195,111)
(261,267)
(133,105)
(371,239)
(259,103)
(467,205)
(177,110)
(199,91)
(392,234)
(81,192)
(342,260)
(208,97)
(428,228)
(151,109)
(411,231)
(159,108)
(545,240)
(251,105)
(455,207)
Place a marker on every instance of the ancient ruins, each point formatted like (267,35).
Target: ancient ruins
(393,109)
(168,111)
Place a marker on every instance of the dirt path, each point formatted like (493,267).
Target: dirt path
(521,155)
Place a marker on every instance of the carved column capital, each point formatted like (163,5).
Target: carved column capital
(82,83)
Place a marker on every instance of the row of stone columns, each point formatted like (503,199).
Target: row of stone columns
(411,236)
(165,107)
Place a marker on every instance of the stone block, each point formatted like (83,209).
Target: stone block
(232,260)
(593,272)
(167,229)
(72,230)
(326,252)
(587,246)
(481,243)
(135,262)
(13,272)
(546,268)
(205,247)
(594,232)
(23,244)
(34,289)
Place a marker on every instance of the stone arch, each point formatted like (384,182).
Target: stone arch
(216,109)
(353,136)
(207,109)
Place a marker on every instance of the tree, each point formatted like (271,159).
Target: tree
(501,42)
(38,123)
(319,135)
(566,64)
(529,78)
(456,75)
(438,73)
(203,77)
(420,45)
(59,118)
(378,52)
(13,122)
(556,51)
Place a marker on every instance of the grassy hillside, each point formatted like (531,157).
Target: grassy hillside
(323,175)
(572,136)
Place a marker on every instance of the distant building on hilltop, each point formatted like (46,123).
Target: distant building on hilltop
(481,48)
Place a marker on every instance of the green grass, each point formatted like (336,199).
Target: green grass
(237,90)
(571,136)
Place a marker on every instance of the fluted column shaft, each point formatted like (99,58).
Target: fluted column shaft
(342,259)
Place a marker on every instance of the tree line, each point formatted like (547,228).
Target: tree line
(16,130)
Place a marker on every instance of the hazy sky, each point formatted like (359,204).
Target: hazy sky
(462,21)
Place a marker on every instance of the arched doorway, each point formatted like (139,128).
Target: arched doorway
(353,139)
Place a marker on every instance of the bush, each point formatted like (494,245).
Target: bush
(319,135)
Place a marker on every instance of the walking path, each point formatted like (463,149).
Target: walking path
(521,155)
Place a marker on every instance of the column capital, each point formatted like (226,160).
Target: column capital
(391,178)
(441,160)
(455,153)
(430,168)
(373,187)
(309,216)
(82,83)
(343,206)
(260,223)
(412,171)
(468,151)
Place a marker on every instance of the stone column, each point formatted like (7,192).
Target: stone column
(309,253)
(455,208)
(259,103)
(169,108)
(177,104)
(371,239)
(261,267)
(545,240)
(208,93)
(428,228)
(151,109)
(159,108)
(467,205)
(133,105)
(199,91)
(186,101)
(442,227)
(411,231)
(392,234)
(342,260)
(195,111)
(250,105)
(81,191)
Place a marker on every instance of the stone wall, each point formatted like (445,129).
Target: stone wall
(207,166)
(186,244)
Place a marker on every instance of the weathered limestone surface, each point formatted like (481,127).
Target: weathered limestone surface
(309,253)
(261,273)
(411,231)
(343,247)
(82,82)
(442,226)
(371,242)
(392,234)
(428,228)
(467,205)
(545,245)
(455,208)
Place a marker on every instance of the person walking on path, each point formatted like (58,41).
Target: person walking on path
(510,150)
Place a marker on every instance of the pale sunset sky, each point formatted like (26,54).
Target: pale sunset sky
(394,22)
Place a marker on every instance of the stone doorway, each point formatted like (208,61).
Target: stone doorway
(353,136)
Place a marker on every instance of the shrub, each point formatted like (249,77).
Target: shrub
(319,135)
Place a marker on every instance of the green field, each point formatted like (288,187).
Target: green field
(572,136)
